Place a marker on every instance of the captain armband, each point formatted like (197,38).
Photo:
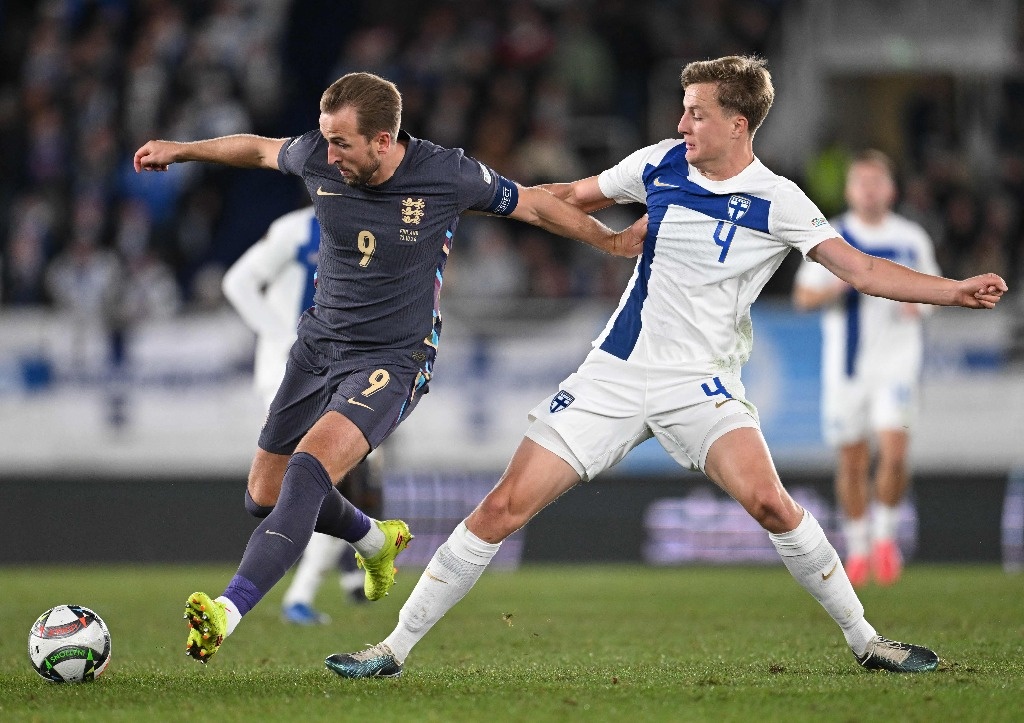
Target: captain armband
(506,199)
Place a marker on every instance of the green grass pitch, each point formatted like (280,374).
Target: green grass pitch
(545,643)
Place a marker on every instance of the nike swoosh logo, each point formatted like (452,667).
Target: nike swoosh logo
(359,404)
(321,192)
(658,182)
(271,532)
(718,404)
(434,577)
(826,576)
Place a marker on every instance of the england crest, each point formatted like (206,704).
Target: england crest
(738,207)
(560,401)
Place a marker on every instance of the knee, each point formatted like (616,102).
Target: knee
(254,508)
(495,518)
(774,510)
(260,497)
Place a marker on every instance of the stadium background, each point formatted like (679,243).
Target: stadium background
(124,385)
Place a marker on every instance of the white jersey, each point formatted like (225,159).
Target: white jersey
(270,286)
(711,246)
(867,337)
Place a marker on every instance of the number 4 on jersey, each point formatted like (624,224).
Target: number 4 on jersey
(726,241)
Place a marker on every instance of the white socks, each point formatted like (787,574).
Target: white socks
(320,555)
(452,571)
(885,519)
(858,539)
(372,542)
(879,524)
(812,560)
(231,610)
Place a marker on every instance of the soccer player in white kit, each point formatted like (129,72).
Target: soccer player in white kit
(668,363)
(871,362)
(270,286)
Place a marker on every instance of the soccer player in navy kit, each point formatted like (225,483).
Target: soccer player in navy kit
(388,205)
(270,286)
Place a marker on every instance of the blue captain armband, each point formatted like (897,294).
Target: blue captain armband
(506,199)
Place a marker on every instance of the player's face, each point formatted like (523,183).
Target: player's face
(870,190)
(354,155)
(708,129)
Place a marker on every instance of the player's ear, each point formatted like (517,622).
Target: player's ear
(740,124)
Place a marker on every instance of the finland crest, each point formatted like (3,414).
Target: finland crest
(738,207)
(561,400)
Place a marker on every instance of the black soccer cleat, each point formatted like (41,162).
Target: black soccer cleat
(896,657)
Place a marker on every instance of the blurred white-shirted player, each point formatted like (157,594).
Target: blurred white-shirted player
(270,286)
(871,362)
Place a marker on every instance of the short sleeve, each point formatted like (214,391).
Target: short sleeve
(624,182)
(293,155)
(796,221)
(481,188)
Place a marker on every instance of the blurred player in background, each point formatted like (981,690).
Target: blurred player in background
(270,286)
(668,363)
(388,206)
(871,362)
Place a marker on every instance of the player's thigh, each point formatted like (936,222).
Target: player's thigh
(689,413)
(595,418)
(535,477)
(337,444)
(375,398)
(739,462)
(893,446)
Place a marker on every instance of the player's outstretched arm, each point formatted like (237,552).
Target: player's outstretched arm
(242,151)
(585,194)
(541,208)
(881,277)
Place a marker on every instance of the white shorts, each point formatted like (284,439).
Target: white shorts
(853,409)
(609,406)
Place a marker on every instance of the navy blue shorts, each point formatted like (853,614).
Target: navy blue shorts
(375,395)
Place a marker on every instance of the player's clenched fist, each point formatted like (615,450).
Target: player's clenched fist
(982,292)
(155,156)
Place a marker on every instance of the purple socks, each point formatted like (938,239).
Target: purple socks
(308,500)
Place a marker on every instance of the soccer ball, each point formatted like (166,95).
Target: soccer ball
(69,644)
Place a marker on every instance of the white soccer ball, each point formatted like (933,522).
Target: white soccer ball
(69,644)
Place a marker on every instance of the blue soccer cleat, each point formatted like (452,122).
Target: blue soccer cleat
(375,662)
(303,614)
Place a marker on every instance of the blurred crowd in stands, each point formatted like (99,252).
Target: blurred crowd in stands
(542,90)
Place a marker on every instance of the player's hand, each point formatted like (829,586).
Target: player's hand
(630,242)
(981,292)
(155,156)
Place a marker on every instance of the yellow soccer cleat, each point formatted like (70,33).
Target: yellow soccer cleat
(208,626)
(380,569)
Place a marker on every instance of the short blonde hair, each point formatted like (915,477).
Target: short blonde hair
(744,85)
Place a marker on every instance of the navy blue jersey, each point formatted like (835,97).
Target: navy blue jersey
(383,248)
